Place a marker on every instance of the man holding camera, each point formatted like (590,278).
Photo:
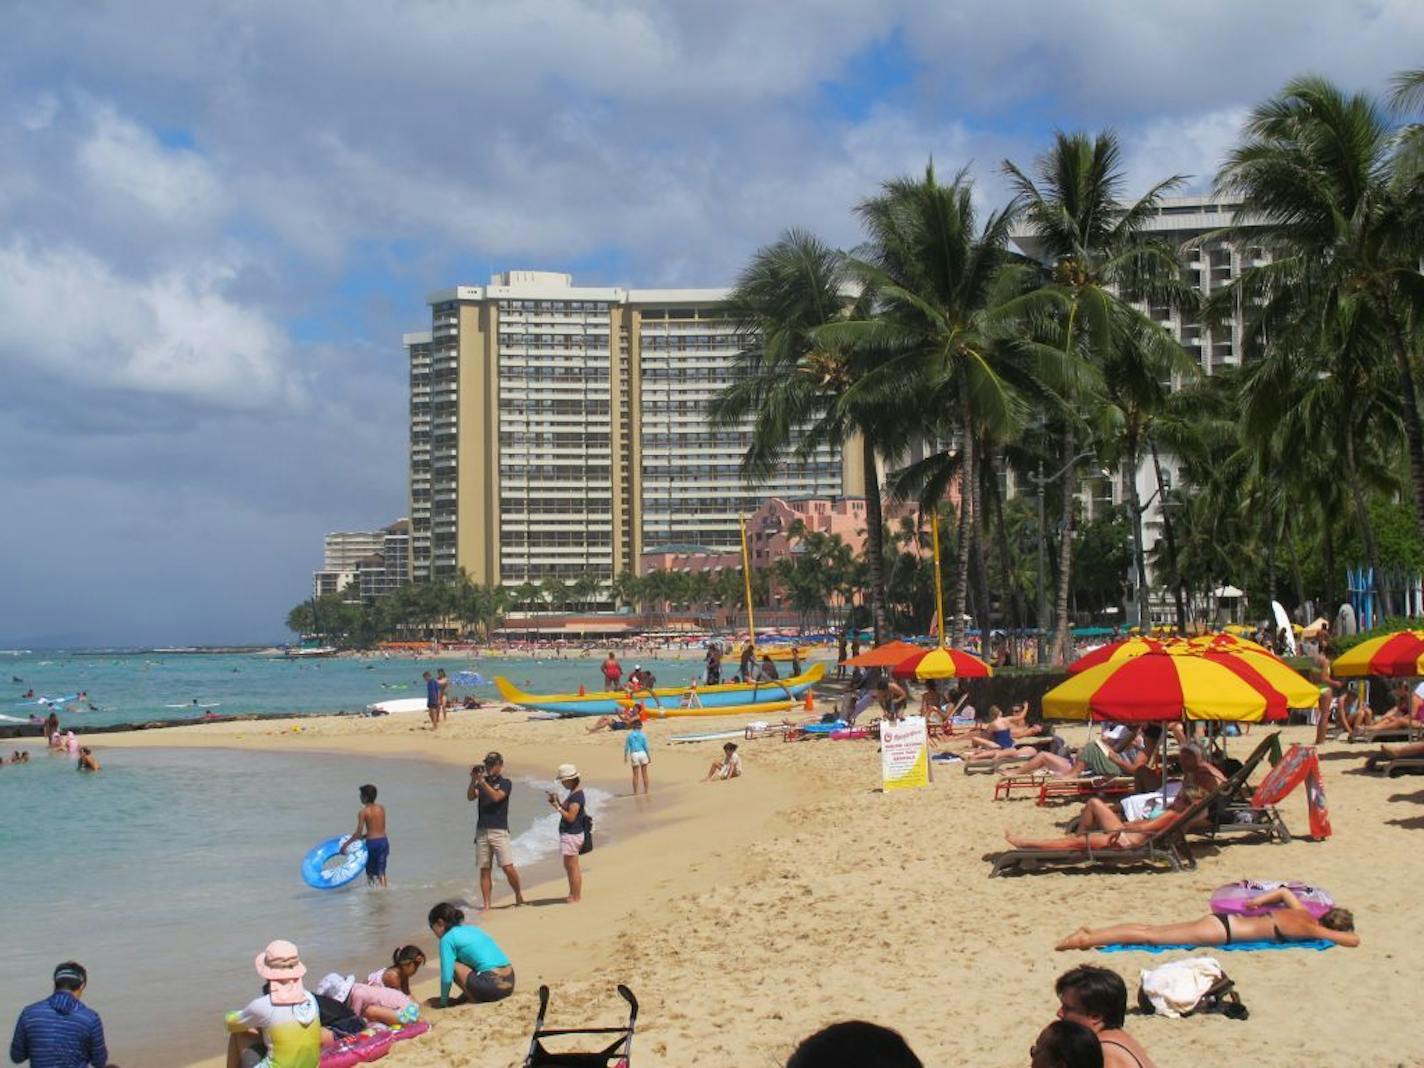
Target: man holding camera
(490,789)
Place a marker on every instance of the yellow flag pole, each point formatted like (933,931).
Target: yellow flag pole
(939,586)
(747,581)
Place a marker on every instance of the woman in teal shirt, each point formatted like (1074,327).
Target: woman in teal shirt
(469,958)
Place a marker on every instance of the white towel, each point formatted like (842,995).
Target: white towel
(1176,988)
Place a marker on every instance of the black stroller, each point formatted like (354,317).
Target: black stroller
(612,1056)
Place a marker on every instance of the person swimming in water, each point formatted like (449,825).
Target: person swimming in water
(87,762)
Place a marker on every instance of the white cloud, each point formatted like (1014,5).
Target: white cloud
(1194,146)
(126,165)
(67,313)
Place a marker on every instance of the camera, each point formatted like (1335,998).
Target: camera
(478,771)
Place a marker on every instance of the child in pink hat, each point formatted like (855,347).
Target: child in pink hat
(281,1029)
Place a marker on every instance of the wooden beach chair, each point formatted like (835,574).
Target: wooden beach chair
(1167,845)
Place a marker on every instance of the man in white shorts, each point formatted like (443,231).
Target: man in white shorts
(490,788)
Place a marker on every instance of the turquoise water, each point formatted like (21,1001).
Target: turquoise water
(143,687)
(168,872)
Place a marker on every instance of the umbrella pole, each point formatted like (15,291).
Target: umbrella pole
(747,586)
(939,586)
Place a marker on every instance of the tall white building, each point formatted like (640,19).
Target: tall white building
(557,430)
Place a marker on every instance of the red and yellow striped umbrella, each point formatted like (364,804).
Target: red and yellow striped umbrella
(1398,655)
(1169,685)
(1126,649)
(1227,642)
(942,664)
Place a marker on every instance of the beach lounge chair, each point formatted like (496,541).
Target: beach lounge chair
(1394,767)
(1052,787)
(1167,845)
(614,1055)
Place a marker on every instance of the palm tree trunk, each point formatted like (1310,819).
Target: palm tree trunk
(875,543)
(1139,558)
(1413,426)
(1367,530)
(1001,537)
(1296,576)
(1061,640)
(1168,532)
(966,519)
(981,570)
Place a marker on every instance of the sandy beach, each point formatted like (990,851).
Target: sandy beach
(748,914)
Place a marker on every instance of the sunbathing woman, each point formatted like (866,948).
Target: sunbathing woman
(1398,718)
(1100,827)
(997,738)
(1097,758)
(1291,922)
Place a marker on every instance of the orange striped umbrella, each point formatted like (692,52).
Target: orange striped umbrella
(1397,655)
(1227,642)
(1168,685)
(887,655)
(942,664)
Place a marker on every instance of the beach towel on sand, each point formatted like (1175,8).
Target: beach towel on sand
(1318,944)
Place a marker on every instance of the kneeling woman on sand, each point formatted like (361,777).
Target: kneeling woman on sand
(470,959)
(1292,922)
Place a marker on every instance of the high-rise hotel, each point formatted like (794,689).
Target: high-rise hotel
(562,430)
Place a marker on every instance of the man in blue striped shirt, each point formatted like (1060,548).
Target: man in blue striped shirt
(61,1031)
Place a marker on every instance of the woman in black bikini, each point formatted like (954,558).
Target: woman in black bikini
(1291,922)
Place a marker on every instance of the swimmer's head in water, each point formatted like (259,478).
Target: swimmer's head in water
(368,794)
(1338,919)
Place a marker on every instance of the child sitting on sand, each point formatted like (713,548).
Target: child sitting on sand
(405,962)
(730,767)
(373,1003)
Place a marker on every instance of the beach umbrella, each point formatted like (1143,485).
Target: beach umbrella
(1227,642)
(1125,649)
(1169,685)
(1397,655)
(469,678)
(887,655)
(942,663)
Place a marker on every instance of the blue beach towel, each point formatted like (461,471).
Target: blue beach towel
(1318,944)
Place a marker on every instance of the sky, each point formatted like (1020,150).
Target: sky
(217,219)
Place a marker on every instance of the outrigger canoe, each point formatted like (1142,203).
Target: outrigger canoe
(725,700)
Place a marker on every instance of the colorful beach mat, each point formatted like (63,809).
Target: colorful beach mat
(1317,944)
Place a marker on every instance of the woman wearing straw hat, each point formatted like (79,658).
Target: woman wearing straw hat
(282,1028)
(572,825)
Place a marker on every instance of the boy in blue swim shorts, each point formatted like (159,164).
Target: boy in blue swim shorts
(371,825)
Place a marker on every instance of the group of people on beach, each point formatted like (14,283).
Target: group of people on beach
(1087,1032)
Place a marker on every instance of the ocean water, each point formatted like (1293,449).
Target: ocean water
(144,687)
(170,870)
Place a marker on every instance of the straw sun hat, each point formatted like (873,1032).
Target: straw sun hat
(566,771)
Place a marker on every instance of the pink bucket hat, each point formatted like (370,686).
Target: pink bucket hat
(280,965)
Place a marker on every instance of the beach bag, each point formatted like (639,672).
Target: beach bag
(1189,987)
(587,821)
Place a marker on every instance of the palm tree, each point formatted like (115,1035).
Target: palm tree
(1097,260)
(1138,372)
(586,588)
(1319,178)
(944,288)
(800,395)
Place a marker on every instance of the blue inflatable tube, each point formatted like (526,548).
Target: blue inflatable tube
(317,874)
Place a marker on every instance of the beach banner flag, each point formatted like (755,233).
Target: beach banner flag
(905,754)
(1300,764)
